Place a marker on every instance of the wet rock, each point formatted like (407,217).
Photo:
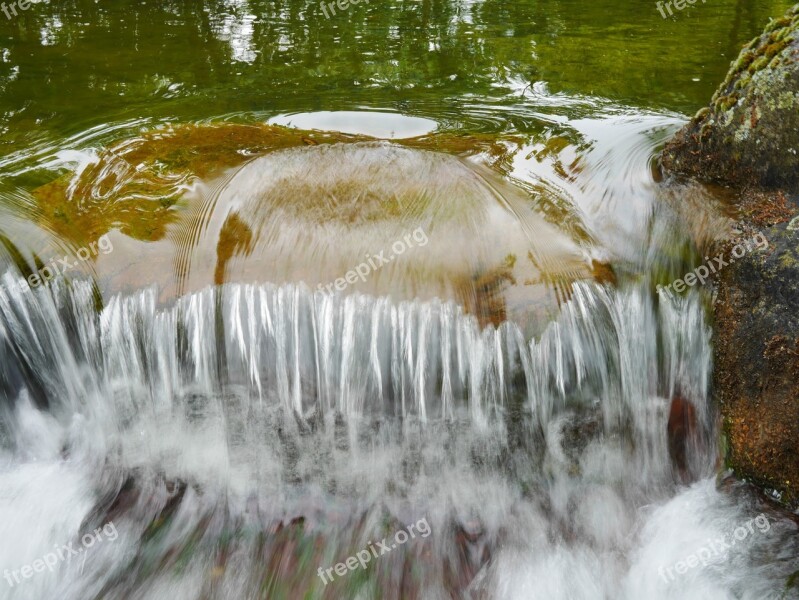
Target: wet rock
(748,139)
(470,550)
(578,433)
(757,363)
(681,435)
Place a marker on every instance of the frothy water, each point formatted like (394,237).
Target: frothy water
(246,436)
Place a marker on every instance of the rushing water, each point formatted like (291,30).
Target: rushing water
(223,420)
(276,430)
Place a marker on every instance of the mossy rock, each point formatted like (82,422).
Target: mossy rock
(749,134)
(748,138)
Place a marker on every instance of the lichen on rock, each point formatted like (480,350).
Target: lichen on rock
(749,134)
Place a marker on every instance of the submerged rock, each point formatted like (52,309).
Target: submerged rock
(197,205)
(748,138)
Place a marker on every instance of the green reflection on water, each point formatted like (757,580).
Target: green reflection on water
(71,65)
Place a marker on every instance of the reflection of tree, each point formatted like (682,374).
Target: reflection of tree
(180,57)
(74,64)
(735,31)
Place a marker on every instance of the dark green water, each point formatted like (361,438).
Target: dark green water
(70,66)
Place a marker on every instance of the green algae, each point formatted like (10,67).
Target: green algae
(702,113)
(137,186)
(763,53)
(725,103)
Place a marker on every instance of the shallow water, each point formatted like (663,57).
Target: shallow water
(506,384)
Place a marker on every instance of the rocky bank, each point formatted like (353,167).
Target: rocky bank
(748,139)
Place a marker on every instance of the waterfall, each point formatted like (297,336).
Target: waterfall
(316,355)
(333,420)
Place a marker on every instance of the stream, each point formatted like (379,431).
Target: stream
(365,306)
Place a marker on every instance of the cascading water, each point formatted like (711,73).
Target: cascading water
(216,410)
(246,436)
